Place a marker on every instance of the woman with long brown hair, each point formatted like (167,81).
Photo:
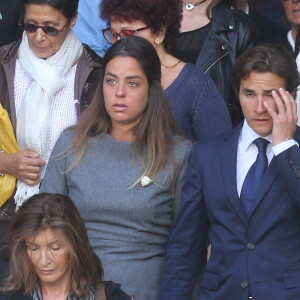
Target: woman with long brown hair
(51,257)
(123,166)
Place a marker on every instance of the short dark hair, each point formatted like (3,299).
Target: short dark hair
(267,58)
(157,14)
(67,7)
(59,213)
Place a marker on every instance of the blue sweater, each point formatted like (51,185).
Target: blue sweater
(197,106)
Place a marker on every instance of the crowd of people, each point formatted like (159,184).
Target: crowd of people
(155,150)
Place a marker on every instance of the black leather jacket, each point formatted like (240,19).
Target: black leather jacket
(230,35)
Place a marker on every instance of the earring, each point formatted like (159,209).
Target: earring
(157,43)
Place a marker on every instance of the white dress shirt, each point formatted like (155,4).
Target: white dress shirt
(247,152)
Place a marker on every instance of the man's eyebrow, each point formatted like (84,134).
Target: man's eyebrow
(246,90)
(270,90)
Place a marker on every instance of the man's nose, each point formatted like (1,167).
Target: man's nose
(260,105)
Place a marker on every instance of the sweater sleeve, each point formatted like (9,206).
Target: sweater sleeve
(54,180)
(184,154)
(211,116)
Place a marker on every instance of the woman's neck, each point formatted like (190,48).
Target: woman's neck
(170,67)
(122,133)
(196,17)
(56,291)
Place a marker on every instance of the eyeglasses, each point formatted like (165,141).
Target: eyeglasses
(50,30)
(111,36)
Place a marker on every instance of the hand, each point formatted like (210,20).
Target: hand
(25,165)
(285,118)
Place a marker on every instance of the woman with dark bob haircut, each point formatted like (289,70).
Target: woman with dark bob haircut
(197,106)
(46,80)
(123,166)
(51,257)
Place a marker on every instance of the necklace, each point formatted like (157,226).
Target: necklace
(190,6)
(170,67)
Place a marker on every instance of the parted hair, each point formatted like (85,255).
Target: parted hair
(154,134)
(67,7)
(267,58)
(56,212)
(159,15)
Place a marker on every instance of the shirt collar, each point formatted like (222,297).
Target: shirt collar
(248,135)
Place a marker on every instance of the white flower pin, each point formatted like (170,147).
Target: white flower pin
(145,181)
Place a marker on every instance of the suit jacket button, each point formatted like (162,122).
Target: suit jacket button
(250,246)
(244,284)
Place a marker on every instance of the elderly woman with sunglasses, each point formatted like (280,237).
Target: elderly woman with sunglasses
(197,106)
(46,80)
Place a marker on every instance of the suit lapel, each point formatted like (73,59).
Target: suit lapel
(229,159)
(268,178)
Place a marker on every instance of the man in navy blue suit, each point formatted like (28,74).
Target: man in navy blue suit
(251,220)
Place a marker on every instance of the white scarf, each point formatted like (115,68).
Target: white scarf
(48,77)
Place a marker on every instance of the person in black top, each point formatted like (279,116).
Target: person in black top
(213,34)
(9,20)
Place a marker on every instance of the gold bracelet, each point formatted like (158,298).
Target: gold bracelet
(1,174)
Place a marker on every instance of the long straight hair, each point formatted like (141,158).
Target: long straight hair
(154,134)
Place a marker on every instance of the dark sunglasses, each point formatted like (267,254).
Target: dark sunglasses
(50,30)
(111,36)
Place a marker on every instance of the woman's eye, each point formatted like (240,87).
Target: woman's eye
(133,84)
(110,81)
(55,248)
(31,248)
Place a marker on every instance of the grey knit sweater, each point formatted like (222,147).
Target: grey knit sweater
(127,227)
